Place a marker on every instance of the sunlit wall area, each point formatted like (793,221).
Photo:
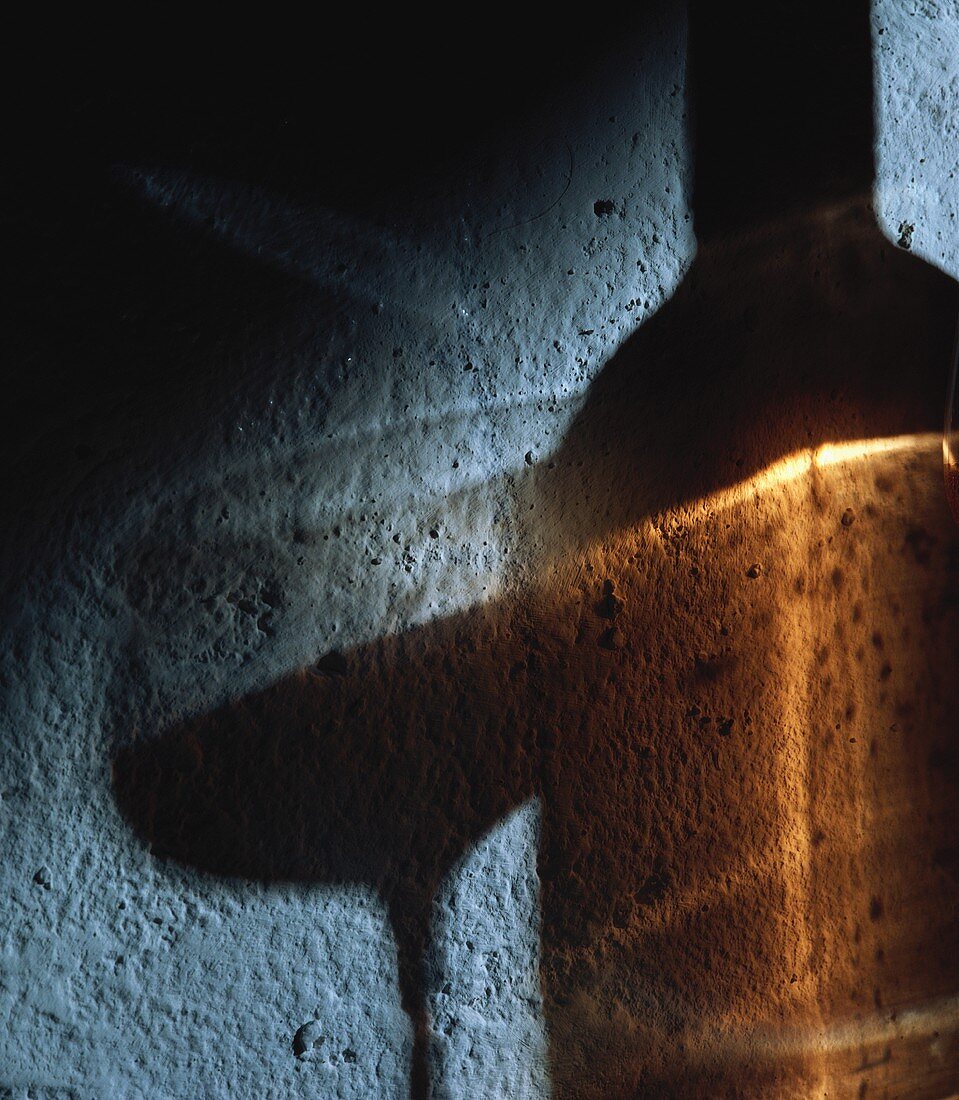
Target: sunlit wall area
(464,635)
(301,375)
(916,85)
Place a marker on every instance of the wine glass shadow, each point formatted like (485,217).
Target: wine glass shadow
(650,686)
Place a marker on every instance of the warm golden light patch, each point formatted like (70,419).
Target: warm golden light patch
(796,466)
(780,651)
(926,1029)
(921,1023)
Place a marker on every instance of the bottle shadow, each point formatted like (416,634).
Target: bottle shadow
(736,709)
(640,686)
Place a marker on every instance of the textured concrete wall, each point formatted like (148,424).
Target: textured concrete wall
(439,654)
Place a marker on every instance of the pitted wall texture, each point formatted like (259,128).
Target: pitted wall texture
(457,659)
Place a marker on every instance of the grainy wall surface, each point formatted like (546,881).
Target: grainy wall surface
(440,679)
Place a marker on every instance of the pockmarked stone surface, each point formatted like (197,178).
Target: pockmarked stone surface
(460,689)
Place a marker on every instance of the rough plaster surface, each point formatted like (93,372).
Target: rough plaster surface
(675,759)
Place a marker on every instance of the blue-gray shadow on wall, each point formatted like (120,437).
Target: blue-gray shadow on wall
(386,763)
